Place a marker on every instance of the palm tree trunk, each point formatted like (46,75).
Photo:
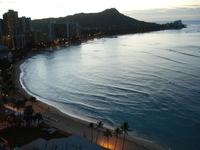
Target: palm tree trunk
(116,142)
(92,135)
(97,137)
(108,142)
(123,142)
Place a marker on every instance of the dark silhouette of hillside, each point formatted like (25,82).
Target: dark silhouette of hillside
(110,22)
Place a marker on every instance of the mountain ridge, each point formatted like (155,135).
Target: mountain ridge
(109,21)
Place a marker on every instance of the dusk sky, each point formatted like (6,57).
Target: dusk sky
(51,8)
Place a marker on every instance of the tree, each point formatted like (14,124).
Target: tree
(117,132)
(1,103)
(28,114)
(38,118)
(19,104)
(33,100)
(108,134)
(125,129)
(28,111)
(99,126)
(25,100)
(91,125)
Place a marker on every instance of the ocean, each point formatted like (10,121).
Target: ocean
(150,80)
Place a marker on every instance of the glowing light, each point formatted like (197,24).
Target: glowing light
(103,143)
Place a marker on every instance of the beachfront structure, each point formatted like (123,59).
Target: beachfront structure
(70,143)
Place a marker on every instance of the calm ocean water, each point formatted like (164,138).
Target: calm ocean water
(150,80)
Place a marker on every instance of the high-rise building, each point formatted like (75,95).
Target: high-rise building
(25,29)
(1,27)
(25,25)
(63,30)
(51,32)
(1,30)
(73,30)
(10,28)
(10,22)
(17,31)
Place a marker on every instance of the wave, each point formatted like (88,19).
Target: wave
(178,71)
(165,58)
(186,54)
(124,89)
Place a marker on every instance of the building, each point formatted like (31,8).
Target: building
(70,143)
(62,30)
(10,23)
(1,27)
(25,29)
(25,25)
(73,30)
(1,30)
(3,52)
(51,31)
(10,28)
(39,37)
(16,31)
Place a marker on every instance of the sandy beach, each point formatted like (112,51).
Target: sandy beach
(66,123)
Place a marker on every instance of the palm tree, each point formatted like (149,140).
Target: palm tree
(25,100)
(117,132)
(28,114)
(1,103)
(33,100)
(107,134)
(125,129)
(19,104)
(91,125)
(38,118)
(99,126)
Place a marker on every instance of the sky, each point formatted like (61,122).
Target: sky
(166,15)
(37,9)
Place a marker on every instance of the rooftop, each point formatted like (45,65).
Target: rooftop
(70,143)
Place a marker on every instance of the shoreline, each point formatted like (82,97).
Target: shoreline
(64,122)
